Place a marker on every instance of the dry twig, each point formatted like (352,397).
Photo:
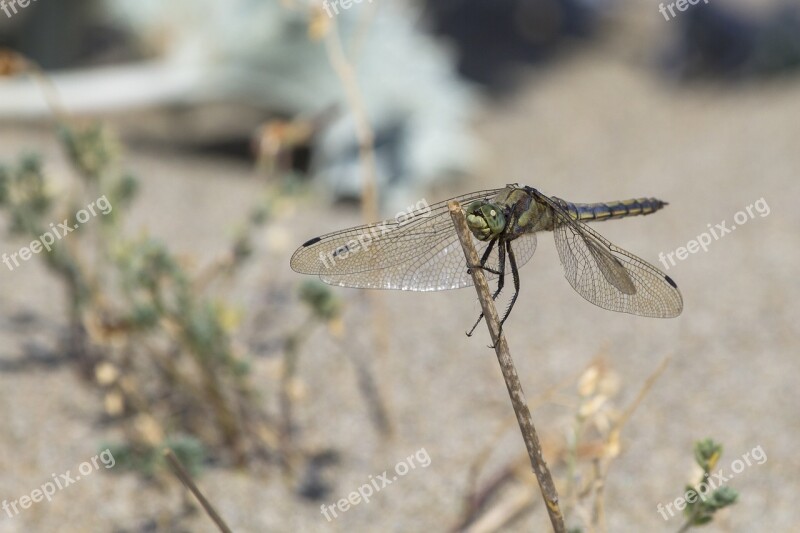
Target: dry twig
(365,136)
(186,479)
(518,401)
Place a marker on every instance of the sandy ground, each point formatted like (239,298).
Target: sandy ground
(592,128)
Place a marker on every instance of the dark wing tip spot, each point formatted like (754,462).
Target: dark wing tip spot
(311,241)
(669,280)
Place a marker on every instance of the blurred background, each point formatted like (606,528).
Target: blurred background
(225,134)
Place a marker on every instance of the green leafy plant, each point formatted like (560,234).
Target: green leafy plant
(701,502)
(155,336)
(142,327)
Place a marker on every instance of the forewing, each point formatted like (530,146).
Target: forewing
(609,276)
(420,252)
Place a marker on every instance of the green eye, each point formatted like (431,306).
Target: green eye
(485,220)
(495,219)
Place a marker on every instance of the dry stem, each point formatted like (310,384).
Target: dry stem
(186,479)
(365,135)
(518,401)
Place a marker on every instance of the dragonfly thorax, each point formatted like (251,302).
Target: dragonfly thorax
(485,220)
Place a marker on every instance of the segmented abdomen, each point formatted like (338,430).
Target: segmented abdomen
(611,210)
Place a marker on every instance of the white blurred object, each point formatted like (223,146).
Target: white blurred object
(259,53)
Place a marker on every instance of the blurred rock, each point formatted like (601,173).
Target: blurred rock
(715,41)
(496,39)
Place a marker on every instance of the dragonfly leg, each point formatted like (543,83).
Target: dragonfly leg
(512,260)
(484,258)
(500,280)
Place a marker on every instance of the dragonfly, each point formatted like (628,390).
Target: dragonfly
(420,251)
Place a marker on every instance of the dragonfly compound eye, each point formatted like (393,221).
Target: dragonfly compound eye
(485,220)
(495,219)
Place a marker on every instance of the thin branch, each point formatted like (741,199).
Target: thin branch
(13,62)
(186,479)
(476,496)
(518,401)
(598,518)
(501,515)
(648,384)
(370,390)
(365,136)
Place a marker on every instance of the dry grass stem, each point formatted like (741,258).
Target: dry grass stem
(186,479)
(518,401)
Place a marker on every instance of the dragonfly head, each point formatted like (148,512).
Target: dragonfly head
(485,220)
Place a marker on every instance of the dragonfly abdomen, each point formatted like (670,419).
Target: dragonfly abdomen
(612,210)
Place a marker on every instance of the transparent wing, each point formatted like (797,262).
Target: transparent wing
(420,252)
(607,275)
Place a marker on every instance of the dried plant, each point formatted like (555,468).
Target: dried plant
(150,331)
